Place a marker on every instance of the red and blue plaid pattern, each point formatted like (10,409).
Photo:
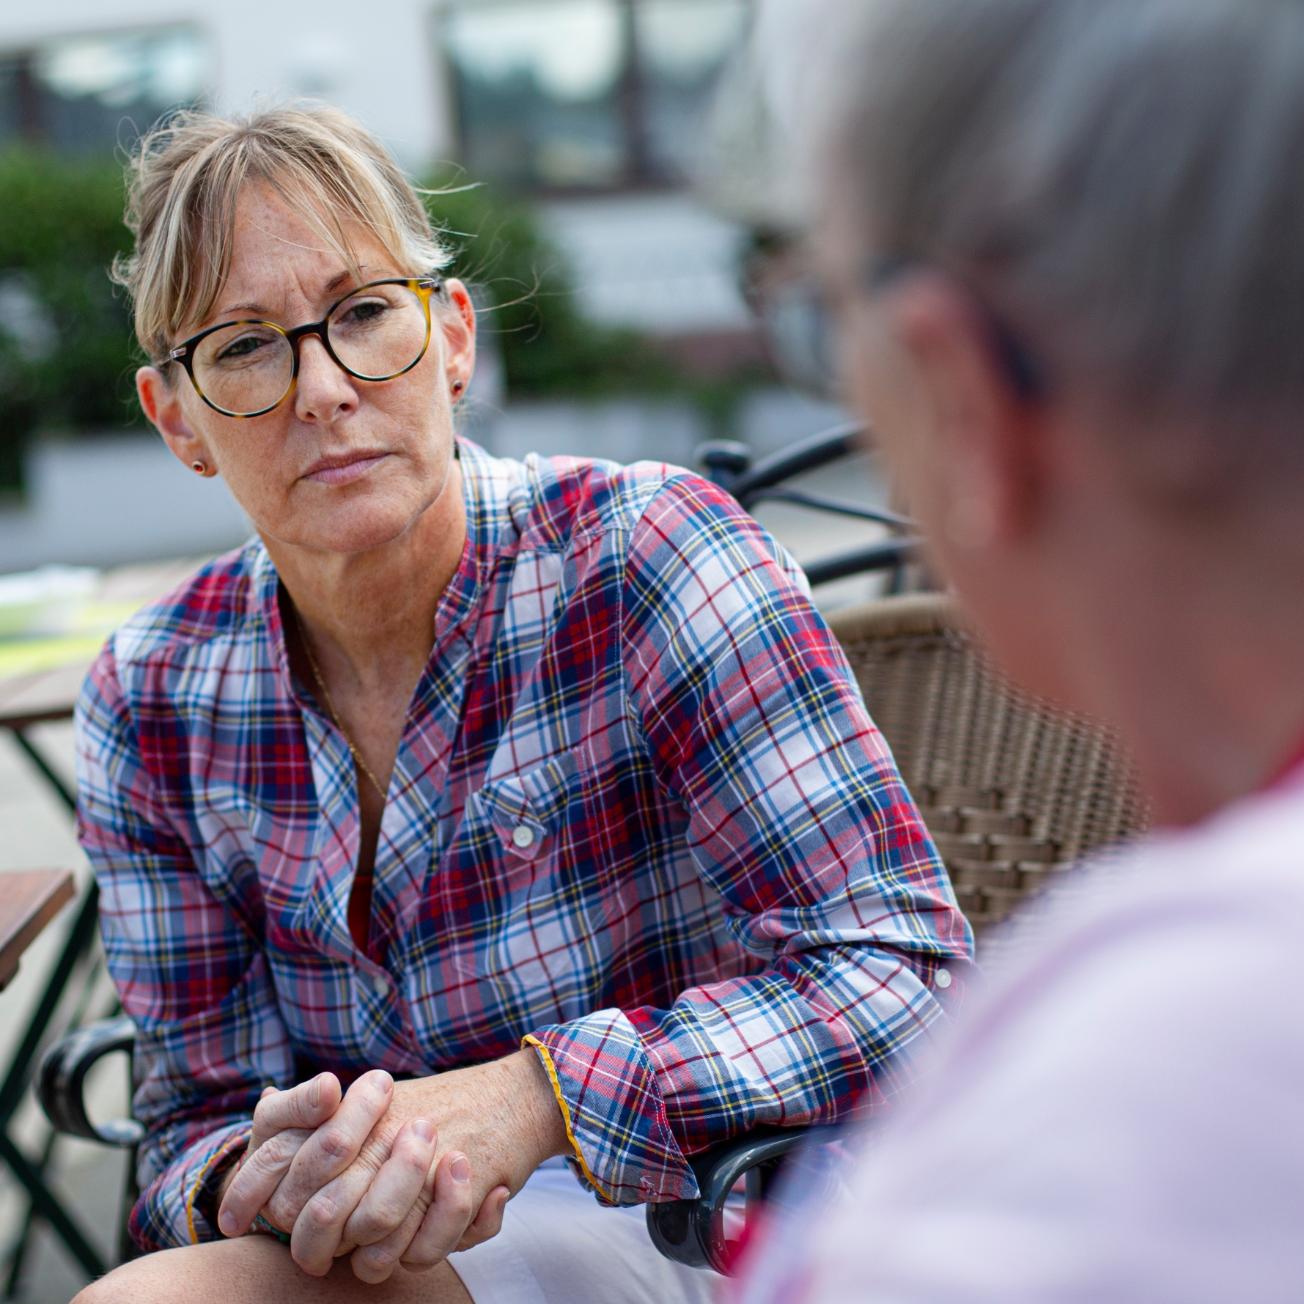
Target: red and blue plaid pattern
(638,811)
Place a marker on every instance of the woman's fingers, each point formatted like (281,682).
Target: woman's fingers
(258,1176)
(446,1220)
(332,1147)
(396,1187)
(330,1220)
(374,1263)
(275,1145)
(307,1105)
(489,1221)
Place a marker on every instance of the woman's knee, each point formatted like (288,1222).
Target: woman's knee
(253,1270)
(218,1273)
(113,1288)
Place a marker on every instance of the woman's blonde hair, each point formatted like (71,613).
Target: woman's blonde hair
(187,173)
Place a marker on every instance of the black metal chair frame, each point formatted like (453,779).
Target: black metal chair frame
(731,466)
(687,1231)
(76,964)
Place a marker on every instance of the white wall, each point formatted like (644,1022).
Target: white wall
(375,60)
(124,498)
(659,262)
(111,500)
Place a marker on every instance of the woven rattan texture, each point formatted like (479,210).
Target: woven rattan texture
(1011,790)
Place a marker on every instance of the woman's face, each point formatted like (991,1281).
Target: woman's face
(342,465)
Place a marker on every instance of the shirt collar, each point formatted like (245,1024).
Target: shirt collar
(486,521)
(488,487)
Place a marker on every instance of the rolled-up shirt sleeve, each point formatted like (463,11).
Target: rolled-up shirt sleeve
(800,822)
(188,970)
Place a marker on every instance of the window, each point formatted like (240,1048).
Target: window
(88,94)
(586,94)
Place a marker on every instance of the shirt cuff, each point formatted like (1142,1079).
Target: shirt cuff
(613,1111)
(201,1173)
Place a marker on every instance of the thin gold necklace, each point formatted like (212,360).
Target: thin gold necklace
(335,715)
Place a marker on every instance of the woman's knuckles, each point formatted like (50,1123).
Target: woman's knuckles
(275,1154)
(335,1144)
(376,1149)
(416,1160)
(314,1265)
(372,1264)
(382,1216)
(368,1228)
(280,1212)
(321,1212)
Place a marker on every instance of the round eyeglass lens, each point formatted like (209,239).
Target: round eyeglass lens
(244,368)
(380,331)
(375,334)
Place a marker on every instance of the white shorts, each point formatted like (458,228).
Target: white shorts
(559,1245)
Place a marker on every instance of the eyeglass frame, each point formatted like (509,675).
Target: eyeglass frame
(184,353)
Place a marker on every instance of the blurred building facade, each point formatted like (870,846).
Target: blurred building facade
(599,113)
(592,109)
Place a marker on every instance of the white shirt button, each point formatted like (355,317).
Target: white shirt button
(522,836)
(379,983)
(942,979)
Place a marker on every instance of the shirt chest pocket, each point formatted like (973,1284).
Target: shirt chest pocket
(525,812)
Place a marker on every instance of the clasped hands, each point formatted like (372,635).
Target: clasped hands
(393,1172)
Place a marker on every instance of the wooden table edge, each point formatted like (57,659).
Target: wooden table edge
(59,888)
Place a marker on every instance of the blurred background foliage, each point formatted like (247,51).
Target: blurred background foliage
(526,300)
(525,292)
(67,352)
(66,345)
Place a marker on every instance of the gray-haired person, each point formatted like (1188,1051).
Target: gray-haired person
(1063,239)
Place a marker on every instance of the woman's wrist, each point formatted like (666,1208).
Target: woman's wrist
(210,1200)
(547,1123)
(259,1224)
(227,1178)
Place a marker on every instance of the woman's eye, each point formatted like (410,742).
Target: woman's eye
(360,314)
(239,350)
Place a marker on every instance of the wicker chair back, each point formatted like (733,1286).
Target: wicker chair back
(1013,791)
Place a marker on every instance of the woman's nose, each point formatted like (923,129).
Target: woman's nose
(324,389)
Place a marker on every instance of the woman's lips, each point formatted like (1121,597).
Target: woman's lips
(343,470)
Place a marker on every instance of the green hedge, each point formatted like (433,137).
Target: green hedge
(527,302)
(62,226)
(548,347)
(66,346)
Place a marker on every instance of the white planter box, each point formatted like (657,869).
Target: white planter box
(117,498)
(114,499)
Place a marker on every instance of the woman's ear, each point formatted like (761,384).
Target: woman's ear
(457,323)
(161,403)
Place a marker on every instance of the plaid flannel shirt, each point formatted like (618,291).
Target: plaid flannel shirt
(639,818)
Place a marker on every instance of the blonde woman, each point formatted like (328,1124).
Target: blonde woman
(477,814)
